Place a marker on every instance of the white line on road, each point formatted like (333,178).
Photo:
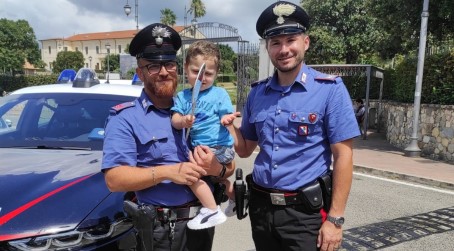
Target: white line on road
(406,183)
(399,182)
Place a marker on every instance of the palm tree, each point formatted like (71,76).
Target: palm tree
(197,8)
(168,17)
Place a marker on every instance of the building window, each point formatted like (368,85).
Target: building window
(65,48)
(86,49)
(77,48)
(97,49)
(50,50)
(86,65)
(119,48)
(97,66)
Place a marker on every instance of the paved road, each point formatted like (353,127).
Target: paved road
(381,214)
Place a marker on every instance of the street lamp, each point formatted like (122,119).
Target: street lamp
(89,59)
(413,149)
(108,65)
(127,9)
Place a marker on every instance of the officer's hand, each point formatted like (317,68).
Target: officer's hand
(227,120)
(186,173)
(329,237)
(204,157)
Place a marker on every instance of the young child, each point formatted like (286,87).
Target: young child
(213,103)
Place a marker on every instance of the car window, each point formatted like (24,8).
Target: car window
(47,112)
(57,120)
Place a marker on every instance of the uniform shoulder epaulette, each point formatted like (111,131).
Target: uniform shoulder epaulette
(328,78)
(325,77)
(260,82)
(122,106)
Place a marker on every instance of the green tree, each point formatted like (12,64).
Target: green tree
(114,63)
(68,60)
(341,30)
(168,17)
(228,59)
(18,44)
(400,24)
(197,8)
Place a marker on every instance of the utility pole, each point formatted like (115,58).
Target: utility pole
(413,149)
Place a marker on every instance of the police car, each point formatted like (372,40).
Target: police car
(52,193)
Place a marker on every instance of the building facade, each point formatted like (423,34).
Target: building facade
(92,46)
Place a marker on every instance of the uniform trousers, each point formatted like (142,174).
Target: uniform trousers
(291,227)
(184,239)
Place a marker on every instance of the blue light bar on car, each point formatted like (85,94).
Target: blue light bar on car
(85,78)
(136,80)
(66,76)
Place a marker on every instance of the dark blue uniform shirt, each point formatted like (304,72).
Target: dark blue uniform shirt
(139,134)
(295,126)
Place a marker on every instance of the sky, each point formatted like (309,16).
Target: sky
(63,18)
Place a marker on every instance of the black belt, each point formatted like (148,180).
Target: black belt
(166,214)
(278,197)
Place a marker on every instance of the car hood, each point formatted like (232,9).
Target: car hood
(47,191)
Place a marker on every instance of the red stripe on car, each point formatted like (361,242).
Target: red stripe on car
(9,216)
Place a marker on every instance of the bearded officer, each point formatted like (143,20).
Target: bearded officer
(143,153)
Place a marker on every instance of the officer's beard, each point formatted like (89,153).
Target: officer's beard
(296,65)
(164,90)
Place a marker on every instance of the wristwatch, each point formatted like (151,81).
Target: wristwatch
(338,221)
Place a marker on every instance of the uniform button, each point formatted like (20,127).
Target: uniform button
(276,148)
(154,138)
(282,94)
(275,166)
(276,130)
(278,111)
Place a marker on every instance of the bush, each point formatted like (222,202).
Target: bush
(437,85)
(12,83)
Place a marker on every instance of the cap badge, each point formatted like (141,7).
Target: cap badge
(158,33)
(281,10)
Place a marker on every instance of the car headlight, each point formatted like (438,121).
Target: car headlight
(74,239)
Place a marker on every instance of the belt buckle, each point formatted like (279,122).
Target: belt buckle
(277,199)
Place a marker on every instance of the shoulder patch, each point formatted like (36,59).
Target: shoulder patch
(260,82)
(331,78)
(122,106)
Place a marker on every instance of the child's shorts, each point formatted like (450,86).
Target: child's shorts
(224,154)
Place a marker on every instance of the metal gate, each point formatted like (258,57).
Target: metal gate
(247,53)
(247,71)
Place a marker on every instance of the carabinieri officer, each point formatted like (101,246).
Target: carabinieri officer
(300,118)
(143,153)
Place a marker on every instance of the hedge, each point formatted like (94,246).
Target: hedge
(11,83)
(399,83)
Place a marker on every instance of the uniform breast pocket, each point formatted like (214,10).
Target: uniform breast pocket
(259,121)
(152,144)
(304,124)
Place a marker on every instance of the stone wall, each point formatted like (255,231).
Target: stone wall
(435,130)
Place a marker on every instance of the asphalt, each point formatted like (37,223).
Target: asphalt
(376,156)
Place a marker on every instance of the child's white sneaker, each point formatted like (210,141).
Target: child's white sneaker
(230,210)
(207,218)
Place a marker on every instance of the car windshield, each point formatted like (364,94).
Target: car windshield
(55,120)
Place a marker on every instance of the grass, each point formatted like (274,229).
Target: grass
(228,86)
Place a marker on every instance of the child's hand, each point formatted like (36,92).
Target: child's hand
(188,121)
(227,120)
